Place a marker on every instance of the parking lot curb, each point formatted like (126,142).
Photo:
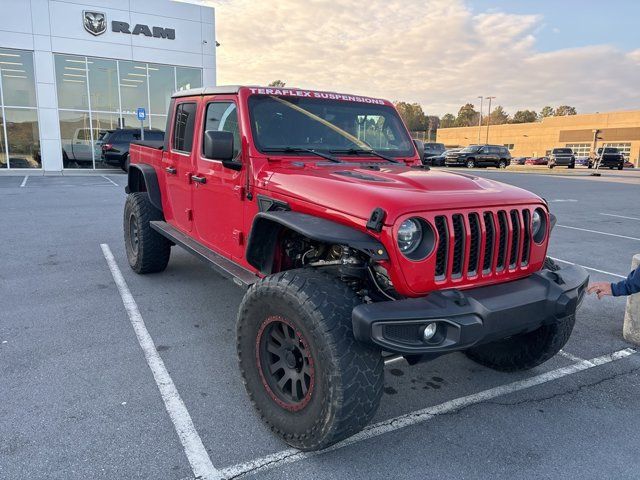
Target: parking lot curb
(631,328)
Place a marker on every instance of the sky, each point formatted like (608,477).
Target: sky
(439,53)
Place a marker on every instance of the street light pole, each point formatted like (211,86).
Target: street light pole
(480,119)
(488,119)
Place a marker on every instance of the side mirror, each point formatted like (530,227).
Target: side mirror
(419,147)
(219,146)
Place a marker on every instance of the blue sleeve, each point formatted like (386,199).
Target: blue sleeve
(629,286)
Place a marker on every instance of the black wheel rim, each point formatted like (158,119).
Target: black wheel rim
(285,363)
(134,237)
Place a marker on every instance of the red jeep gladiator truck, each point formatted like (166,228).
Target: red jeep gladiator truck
(349,248)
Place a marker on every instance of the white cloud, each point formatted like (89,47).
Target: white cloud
(436,52)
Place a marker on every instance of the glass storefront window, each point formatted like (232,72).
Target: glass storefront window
(19,134)
(133,86)
(161,87)
(18,79)
(131,121)
(187,78)
(103,84)
(159,122)
(71,81)
(97,94)
(24,138)
(3,145)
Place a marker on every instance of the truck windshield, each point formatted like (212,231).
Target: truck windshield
(562,150)
(281,123)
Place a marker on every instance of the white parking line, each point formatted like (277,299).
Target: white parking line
(587,268)
(193,447)
(571,357)
(292,455)
(24,181)
(601,233)
(109,180)
(620,216)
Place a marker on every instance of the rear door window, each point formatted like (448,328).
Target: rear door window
(183,127)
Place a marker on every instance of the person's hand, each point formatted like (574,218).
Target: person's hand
(599,288)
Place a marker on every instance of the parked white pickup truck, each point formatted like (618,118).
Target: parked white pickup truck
(78,148)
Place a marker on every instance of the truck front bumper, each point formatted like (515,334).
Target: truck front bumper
(465,318)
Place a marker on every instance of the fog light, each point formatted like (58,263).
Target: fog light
(429,331)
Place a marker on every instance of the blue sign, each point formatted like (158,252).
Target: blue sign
(142,114)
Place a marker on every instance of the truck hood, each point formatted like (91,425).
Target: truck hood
(398,189)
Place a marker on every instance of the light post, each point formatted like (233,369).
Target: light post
(488,119)
(480,119)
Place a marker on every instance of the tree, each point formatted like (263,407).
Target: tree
(524,116)
(467,116)
(413,116)
(448,120)
(498,116)
(564,110)
(547,112)
(277,83)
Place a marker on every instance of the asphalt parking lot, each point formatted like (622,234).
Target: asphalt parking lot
(79,397)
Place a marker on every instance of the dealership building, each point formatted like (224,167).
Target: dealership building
(615,129)
(70,71)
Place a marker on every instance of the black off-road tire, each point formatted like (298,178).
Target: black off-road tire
(527,350)
(347,376)
(147,250)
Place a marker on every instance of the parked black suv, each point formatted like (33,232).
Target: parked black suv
(562,157)
(115,144)
(433,151)
(611,158)
(480,156)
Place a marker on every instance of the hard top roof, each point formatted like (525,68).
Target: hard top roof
(221,90)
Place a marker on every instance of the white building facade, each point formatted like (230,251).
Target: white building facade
(70,70)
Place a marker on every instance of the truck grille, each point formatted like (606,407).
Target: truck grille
(482,243)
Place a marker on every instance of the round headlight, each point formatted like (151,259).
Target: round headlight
(538,225)
(409,236)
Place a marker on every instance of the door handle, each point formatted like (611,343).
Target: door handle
(170,170)
(198,179)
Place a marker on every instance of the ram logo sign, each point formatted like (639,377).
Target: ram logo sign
(94,22)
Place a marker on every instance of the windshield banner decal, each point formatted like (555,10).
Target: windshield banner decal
(313,94)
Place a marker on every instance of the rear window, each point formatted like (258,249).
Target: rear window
(562,150)
(183,127)
(123,137)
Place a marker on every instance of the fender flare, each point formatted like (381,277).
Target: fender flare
(267,226)
(143,178)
